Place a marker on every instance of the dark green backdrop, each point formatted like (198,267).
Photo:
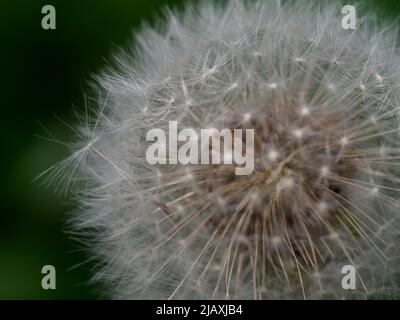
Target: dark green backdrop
(43,73)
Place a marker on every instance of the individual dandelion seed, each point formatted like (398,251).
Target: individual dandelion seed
(324,106)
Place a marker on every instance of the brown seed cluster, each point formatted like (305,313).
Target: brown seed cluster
(284,212)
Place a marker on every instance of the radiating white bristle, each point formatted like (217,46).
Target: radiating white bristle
(324,97)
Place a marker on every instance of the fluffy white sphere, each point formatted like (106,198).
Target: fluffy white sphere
(324,104)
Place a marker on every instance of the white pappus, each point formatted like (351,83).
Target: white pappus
(324,105)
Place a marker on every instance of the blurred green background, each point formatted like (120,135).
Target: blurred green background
(43,73)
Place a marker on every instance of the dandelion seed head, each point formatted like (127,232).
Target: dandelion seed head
(200,231)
